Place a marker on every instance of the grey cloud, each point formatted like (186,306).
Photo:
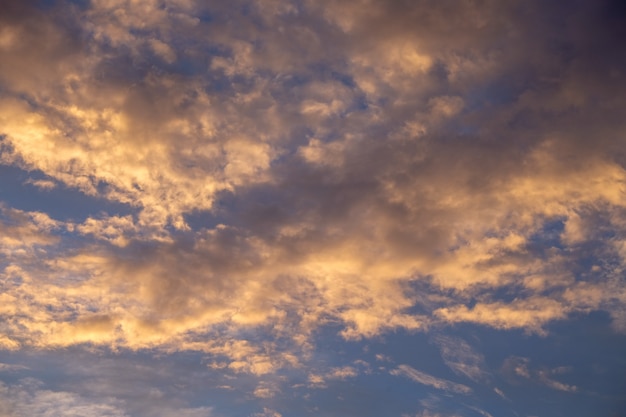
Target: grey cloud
(27,399)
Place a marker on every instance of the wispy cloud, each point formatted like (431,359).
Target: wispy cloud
(27,399)
(499,392)
(8,367)
(519,367)
(267,412)
(460,357)
(426,379)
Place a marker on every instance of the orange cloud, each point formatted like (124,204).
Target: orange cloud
(351,171)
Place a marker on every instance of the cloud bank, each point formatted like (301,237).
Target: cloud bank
(291,165)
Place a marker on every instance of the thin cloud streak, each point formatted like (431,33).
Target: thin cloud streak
(426,379)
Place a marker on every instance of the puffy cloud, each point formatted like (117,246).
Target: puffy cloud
(344,169)
(25,230)
(343,372)
(317,381)
(292,168)
(266,390)
(527,313)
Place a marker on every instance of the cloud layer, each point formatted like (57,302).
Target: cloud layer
(291,165)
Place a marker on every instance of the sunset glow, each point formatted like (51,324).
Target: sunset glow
(312,208)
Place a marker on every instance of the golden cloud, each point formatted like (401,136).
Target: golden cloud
(350,169)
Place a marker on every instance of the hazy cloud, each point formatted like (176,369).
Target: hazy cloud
(27,399)
(460,357)
(518,367)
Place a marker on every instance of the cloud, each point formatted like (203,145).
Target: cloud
(266,390)
(25,230)
(294,174)
(348,167)
(481,411)
(499,392)
(267,412)
(317,381)
(42,184)
(427,413)
(27,399)
(529,313)
(519,368)
(117,384)
(7,367)
(426,379)
(556,384)
(343,372)
(460,357)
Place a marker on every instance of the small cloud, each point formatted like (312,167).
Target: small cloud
(530,314)
(115,229)
(8,343)
(163,50)
(316,381)
(266,390)
(46,185)
(342,373)
(479,410)
(9,367)
(459,356)
(428,413)
(426,379)
(267,412)
(543,377)
(189,412)
(445,106)
(217,365)
(516,366)
(364,366)
(519,367)
(499,392)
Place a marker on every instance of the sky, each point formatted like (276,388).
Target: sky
(291,208)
